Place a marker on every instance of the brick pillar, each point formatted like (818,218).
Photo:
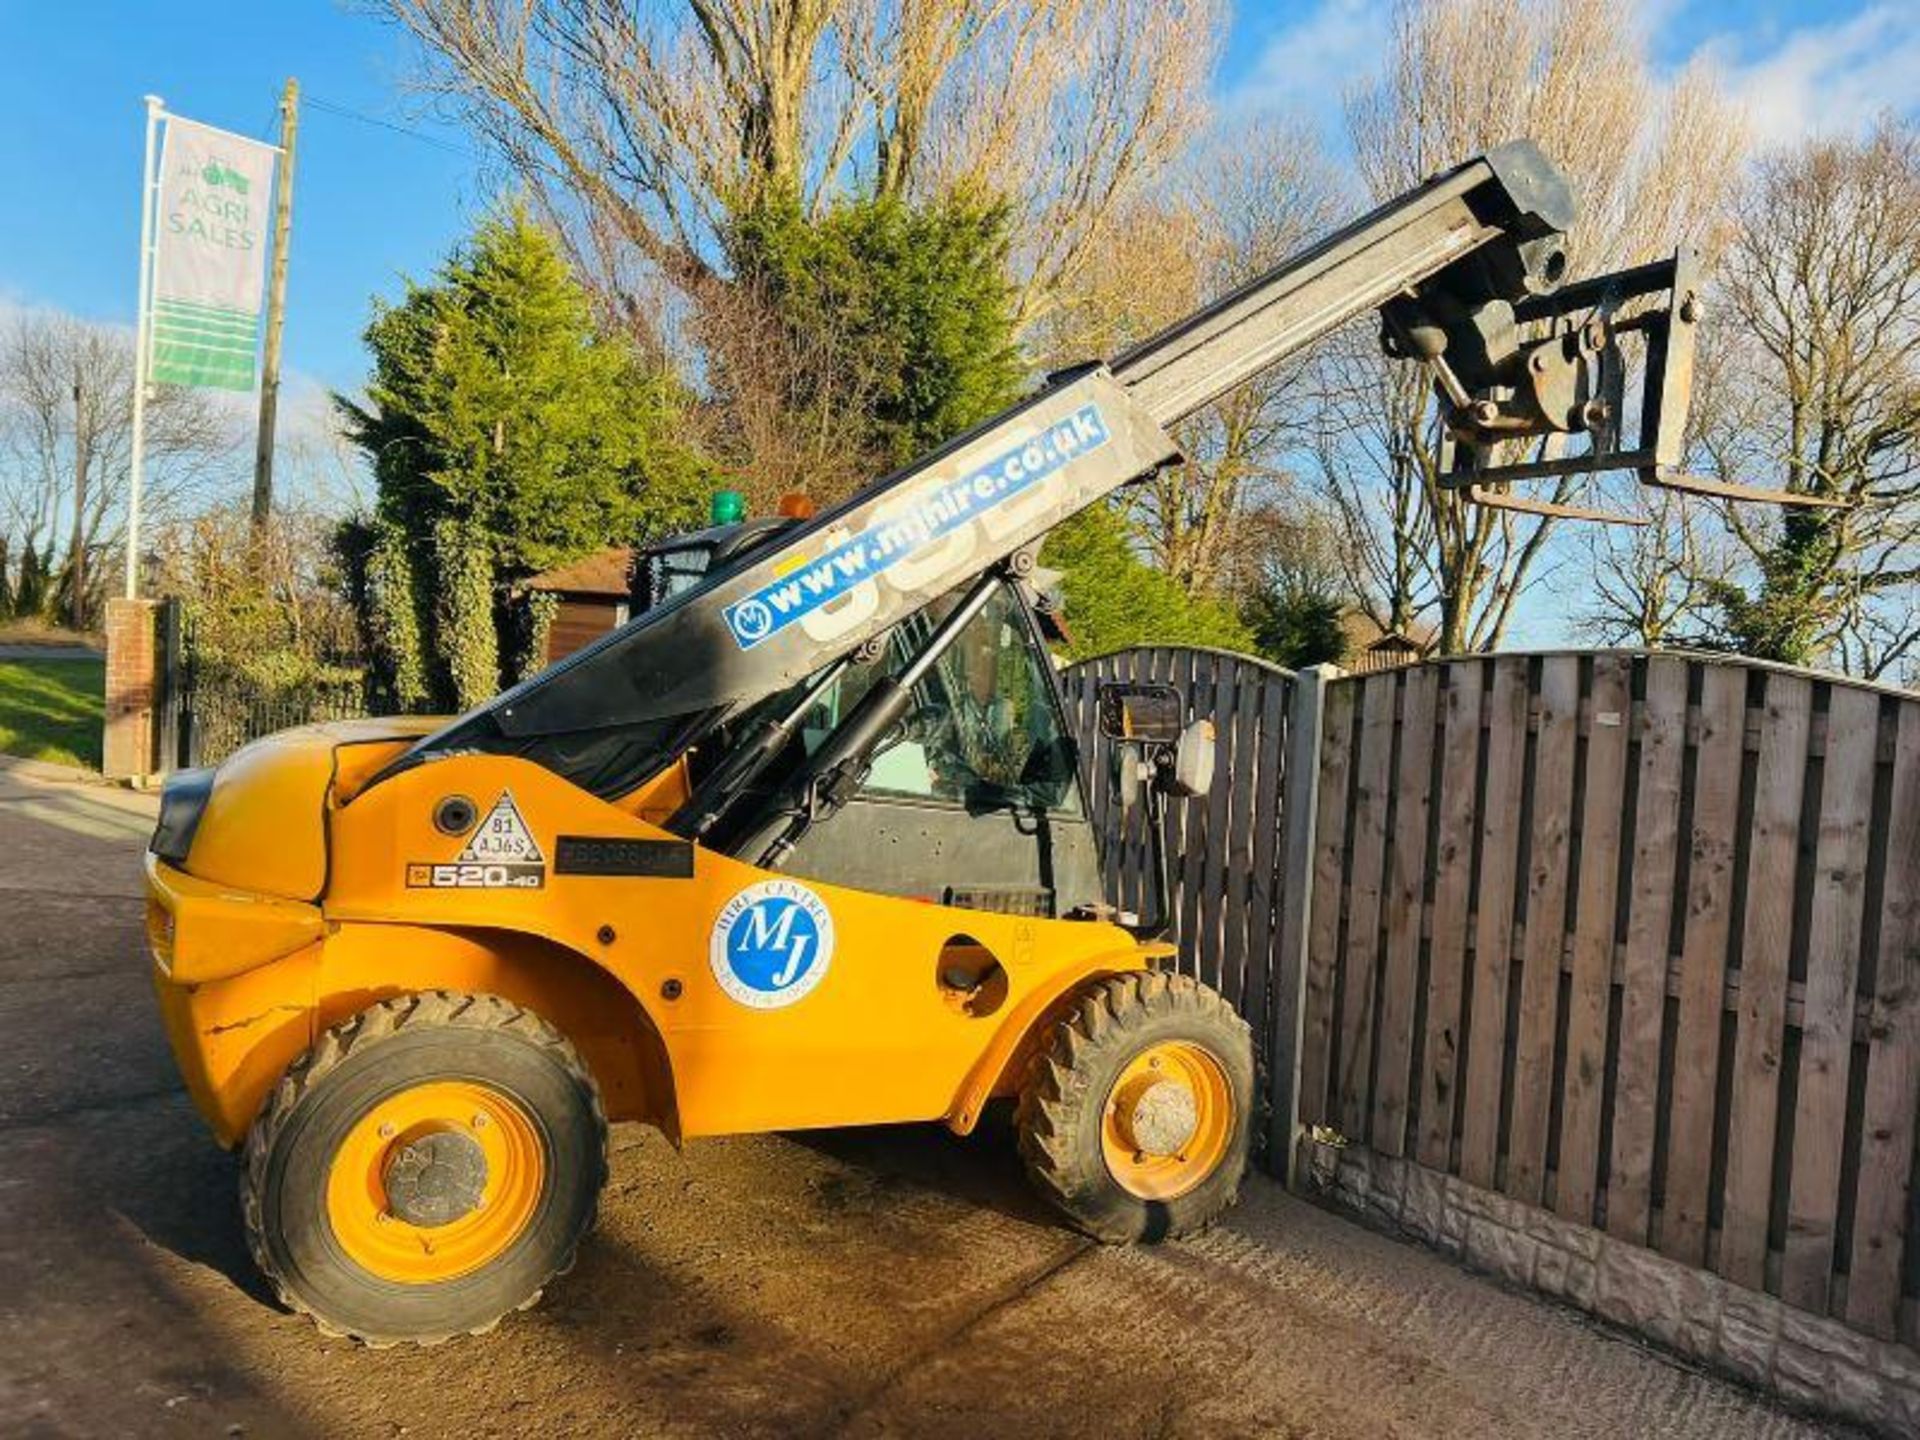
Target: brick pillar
(132,689)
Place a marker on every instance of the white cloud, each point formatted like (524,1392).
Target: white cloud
(1308,67)
(314,465)
(1831,78)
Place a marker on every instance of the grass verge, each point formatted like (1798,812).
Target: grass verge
(51,710)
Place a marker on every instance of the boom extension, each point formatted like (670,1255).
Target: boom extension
(1458,267)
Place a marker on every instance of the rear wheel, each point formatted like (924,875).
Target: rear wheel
(1135,1116)
(426,1168)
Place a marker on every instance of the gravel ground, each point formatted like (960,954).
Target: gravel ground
(895,1281)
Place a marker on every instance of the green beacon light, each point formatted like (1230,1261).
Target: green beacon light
(729,507)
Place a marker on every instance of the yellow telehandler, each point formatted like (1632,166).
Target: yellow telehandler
(805,842)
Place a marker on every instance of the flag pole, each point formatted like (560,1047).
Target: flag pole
(276,308)
(141,331)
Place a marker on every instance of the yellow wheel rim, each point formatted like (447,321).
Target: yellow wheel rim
(436,1181)
(1168,1120)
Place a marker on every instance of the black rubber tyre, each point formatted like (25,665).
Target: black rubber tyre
(397,1044)
(1068,1084)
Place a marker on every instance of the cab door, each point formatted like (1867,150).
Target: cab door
(976,801)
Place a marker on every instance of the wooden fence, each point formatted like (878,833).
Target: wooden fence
(1638,939)
(1635,938)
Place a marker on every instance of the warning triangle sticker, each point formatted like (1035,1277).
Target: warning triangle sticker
(502,838)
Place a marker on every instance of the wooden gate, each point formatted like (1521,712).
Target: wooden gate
(1236,907)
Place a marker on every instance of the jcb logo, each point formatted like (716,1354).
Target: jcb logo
(771,944)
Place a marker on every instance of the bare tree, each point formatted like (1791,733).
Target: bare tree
(66,432)
(322,471)
(1236,204)
(1650,164)
(1819,306)
(644,126)
(1374,464)
(1656,584)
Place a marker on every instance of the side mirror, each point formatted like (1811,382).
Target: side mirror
(1144,714)
(1191,770)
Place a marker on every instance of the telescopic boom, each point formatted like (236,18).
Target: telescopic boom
(1451,266)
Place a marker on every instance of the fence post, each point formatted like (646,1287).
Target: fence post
(1301,802)
(168,702)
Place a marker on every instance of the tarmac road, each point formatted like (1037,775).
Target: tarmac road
(857,1282)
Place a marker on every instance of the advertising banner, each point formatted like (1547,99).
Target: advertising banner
(210,252)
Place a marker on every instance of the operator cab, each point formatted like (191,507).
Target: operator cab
(974,800)
(682,562)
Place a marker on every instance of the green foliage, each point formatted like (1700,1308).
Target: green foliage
(1296,627)
(498,408)
(532,621)
(388,599)
(1789,616)
(465,640)
(1114,599)
(903,307)
(263,605)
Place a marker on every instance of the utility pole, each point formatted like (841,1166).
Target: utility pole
(276,306)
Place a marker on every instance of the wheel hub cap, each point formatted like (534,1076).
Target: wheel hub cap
(1168,1121)
(1163,1118)
(436,1179)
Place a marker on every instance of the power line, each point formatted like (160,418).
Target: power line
(348,113)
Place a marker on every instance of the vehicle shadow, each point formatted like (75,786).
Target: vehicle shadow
(94,1118)
(982,1169)
(184,1197)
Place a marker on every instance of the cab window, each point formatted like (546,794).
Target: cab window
(667,573)
(983,731)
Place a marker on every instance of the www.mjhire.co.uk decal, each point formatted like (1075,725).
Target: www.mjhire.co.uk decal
(500,854)
(936,510)
(771,944)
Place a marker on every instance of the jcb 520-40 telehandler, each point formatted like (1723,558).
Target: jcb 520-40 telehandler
(804,843)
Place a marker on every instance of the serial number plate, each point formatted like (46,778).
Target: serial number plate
(623,855)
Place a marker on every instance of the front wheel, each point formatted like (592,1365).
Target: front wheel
(1135,1116)
(425,1169)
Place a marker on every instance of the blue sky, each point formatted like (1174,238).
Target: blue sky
(369,203)
(373,203)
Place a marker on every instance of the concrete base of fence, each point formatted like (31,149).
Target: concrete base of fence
(1811,1362)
